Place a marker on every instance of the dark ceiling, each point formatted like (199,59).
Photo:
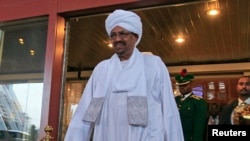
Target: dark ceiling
(224,38)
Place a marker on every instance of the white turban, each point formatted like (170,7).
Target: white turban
(126,19)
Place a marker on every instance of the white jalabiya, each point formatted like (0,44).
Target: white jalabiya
(113,122)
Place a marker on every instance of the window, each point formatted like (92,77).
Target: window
(22,57)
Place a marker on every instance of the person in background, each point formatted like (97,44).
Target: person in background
(193,109)
(229,114)
(213,114)
(129,97)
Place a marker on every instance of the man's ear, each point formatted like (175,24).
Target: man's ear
(135,38)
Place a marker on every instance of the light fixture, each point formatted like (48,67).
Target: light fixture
(32,52)
(21,41)
(110,45)
(213,12)
(213,8)
(149,53)
(179,39)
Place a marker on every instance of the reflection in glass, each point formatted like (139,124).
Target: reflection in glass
(20,109)
(73,93)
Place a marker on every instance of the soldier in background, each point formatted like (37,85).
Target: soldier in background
(193,109)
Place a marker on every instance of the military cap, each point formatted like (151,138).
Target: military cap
(183,77)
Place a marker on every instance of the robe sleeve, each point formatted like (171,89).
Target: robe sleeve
(172,122)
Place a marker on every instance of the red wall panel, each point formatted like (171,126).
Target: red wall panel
(71,5)
(16,9)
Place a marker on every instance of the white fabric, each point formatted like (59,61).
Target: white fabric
(126,19)
(185,96)
(247,101)
(134,86)
(213,121)
(113,124)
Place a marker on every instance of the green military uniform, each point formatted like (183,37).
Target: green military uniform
(193,113)
(192,109)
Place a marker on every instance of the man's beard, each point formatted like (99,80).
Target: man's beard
(244,93)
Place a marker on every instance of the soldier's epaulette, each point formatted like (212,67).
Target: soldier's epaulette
(196,97)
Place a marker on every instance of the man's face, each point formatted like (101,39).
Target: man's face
(243,86)
(214,110)
(123,42)
(185,89)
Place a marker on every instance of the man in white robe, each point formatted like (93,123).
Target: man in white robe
(128,97)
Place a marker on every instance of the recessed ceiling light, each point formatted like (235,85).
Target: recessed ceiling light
(213,12)
(21,41)
(179,39)
(110,45)
(32,52)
